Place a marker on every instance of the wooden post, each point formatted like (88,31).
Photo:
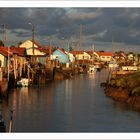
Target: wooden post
(11,119)
(28,73)
(32,77)
(1,72)
(21,65)
(15,68)
(24,65)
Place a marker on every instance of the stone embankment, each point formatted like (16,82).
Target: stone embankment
(125,88)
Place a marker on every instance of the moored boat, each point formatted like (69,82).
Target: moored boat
(24,82)
(113,65)
(92,69)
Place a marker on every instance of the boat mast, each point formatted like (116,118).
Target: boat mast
(81,39)
(93,49)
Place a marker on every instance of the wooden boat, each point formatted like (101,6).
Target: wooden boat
(92,69)
(113,64)
(98,67)
(24,82)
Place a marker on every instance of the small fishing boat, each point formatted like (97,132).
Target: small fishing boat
(24,82)
(113,64)
(92,69)
(98,67)
(2,124)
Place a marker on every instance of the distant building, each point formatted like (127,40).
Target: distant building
(81,56)
(131,56)
(120,57)
(4,56)
(71,57)
(39,51)
(61,55)
(104,56)
(92,55)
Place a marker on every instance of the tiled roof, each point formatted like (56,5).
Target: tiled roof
(90,52)
(63,50)
(4,51)
(18,51)
(105,53)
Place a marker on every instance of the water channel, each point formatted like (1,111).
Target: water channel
(73,105)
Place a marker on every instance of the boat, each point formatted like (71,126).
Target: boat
(113,65)
(98,67)
(2,124)
(92,69)
(24,82)
(130,68)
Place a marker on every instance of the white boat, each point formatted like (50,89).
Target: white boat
(113,64)
(129,68)
(24,82)
(92,69)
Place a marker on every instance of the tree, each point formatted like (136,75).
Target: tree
(1,43)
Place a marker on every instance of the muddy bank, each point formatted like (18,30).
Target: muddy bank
(117,94)
(125,89)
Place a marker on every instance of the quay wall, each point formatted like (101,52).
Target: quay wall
(125,88)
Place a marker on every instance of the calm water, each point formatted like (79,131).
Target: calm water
(74,105)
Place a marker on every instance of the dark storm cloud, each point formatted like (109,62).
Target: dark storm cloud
(99,23)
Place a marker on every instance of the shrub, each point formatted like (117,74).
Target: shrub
(136,91)
(121,82)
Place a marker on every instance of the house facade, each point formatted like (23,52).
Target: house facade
(71,57)
(37,51)
(120,57)
(81,55)
(3,60)
(131,56)
(61,55)
(104,56)
(4,56)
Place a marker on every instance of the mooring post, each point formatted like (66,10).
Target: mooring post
(11,119)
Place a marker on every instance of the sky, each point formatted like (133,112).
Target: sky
(99,26)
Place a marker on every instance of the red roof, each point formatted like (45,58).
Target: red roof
(63,50)
(90,52)
(105,53)
(18,51)
(4,51)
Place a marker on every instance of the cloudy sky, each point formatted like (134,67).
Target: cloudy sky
(56,25)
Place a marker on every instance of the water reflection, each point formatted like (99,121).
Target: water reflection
(68,91)
(121,106)
(72,105)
